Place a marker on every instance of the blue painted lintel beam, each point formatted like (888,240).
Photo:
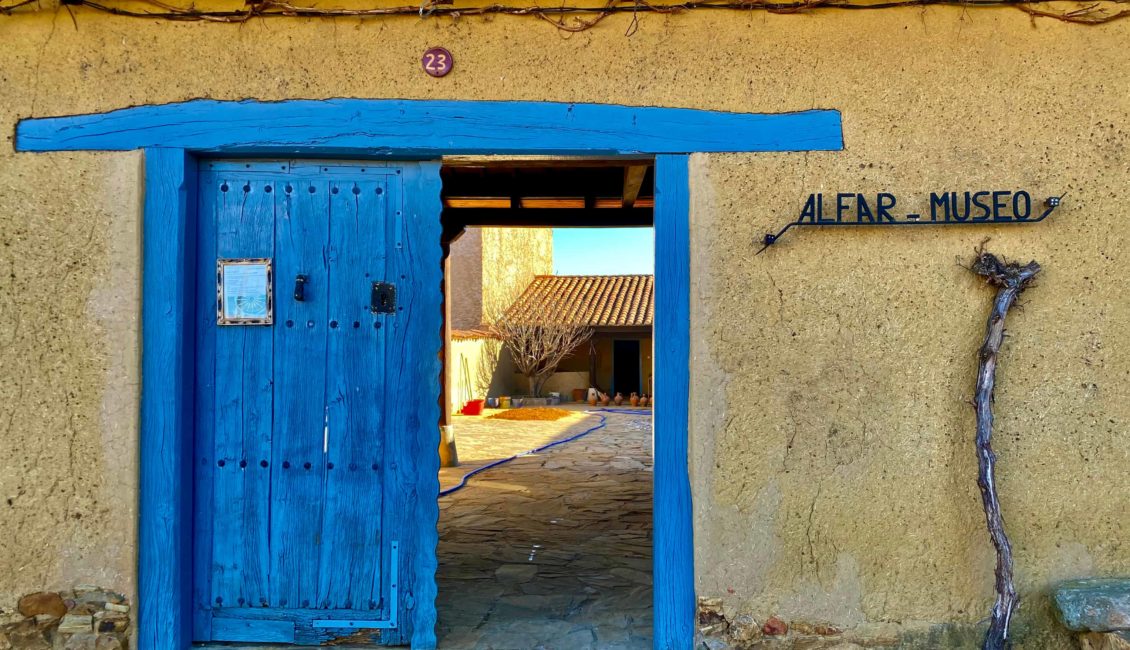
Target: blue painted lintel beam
(424,128)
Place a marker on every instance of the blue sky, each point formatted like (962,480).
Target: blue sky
(603,251)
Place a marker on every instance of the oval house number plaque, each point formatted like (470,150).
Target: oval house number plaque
(437,61)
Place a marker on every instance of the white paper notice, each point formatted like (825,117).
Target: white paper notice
(245,291)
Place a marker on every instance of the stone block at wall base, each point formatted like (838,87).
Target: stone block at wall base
(1105,641)
(721,627)
(86,618)
(1094,604)
(742,631)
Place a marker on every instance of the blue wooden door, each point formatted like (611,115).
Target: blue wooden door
(315,430)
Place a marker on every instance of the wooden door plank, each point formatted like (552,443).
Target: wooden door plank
(355,391)
(164,610)
(673,569)
(297,615)
(298,469)
(204,442)
(302,621)
(260,631)
(412,364)
(244,369)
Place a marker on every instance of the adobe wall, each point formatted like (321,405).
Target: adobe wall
(511,259)
(480,367)
(490,267)
(833,470)
(465,277)
(832,435)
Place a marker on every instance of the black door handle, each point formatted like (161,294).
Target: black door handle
(300,287)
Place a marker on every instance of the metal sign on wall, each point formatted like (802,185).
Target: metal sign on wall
(992,207)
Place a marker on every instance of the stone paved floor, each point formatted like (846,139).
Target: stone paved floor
(551,551)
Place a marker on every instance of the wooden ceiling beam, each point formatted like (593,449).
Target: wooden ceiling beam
(552,202)
(477,202)
(531,202)
(633,181)
(542,161)
(458,218)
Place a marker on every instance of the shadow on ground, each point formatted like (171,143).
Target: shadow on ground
(552,551)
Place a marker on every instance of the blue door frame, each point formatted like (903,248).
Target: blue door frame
(174,135)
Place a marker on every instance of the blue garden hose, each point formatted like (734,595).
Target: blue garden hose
(628,411)
(502,461)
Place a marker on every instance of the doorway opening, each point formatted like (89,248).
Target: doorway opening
(175,136)
(550,548)
(626,371)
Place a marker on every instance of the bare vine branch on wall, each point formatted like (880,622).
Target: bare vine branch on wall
(573,17)
(1009,278)
(7,9)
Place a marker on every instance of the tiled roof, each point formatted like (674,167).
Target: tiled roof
(592,300)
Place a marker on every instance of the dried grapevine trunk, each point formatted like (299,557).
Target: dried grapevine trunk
(1010,279)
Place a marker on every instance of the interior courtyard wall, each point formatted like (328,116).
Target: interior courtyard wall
(490,267)
(465,280)
(511,259)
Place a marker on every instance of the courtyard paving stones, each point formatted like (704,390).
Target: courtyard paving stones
(551,551)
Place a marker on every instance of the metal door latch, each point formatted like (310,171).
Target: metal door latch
(382,300)
(300,287)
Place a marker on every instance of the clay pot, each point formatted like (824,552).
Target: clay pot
(619,399)
(578,394)
(592,401)
(604,400)
(634,399)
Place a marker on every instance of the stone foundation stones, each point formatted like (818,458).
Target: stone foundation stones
(742,631)
(1099,608)
(86,618)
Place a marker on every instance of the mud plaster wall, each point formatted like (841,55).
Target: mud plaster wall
(69,292)
(466,280)
(511,259)
(832,468)
(833,464)
(490,267)
(489,371)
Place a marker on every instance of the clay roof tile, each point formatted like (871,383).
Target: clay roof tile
(592,300)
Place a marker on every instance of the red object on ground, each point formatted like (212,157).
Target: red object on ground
(474,407)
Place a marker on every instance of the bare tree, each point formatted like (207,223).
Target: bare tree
(538,344)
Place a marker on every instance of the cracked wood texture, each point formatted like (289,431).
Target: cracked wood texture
(1010,279)
(673,543)
(430,128)
(315,452)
